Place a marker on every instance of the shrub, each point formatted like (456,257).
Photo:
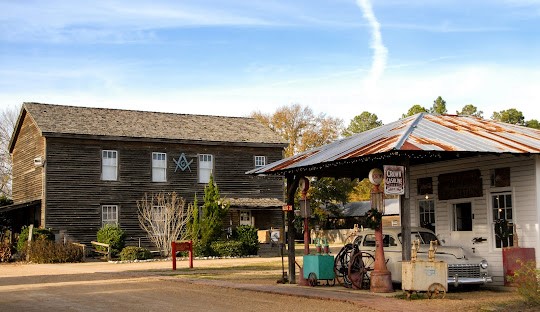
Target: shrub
(112,235)
(527,280)
(247,235)
(37,234)
(47,251)
(230,248)
(5,251)
(135,253)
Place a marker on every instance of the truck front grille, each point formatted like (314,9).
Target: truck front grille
(464,270)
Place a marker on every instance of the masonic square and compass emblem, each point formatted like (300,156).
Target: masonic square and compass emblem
(182,163)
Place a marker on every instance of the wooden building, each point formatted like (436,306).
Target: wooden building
(77,168)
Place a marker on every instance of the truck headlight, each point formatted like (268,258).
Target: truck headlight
(484,264)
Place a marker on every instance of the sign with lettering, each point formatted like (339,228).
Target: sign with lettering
(182,163)
(394,180)
(463,184)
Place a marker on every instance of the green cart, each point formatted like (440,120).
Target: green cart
(319,267)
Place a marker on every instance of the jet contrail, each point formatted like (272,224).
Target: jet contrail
(380,52)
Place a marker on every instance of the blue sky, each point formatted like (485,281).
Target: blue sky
(233,57)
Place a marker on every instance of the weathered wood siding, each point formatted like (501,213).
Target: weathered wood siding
(524,187)
(75,191)
(27,178)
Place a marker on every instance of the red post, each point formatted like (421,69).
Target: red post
(173,248)
(191,254)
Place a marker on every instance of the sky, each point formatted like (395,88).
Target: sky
(234,57)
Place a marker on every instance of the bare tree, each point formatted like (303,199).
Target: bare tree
(8,119)
(164,217)
(299,126)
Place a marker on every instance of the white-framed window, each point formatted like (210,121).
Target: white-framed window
(109,214)
(260,161)
(109,165)
(462,216)
(206,167)
(245,217)
(159,167)
(503,219)
(426,210)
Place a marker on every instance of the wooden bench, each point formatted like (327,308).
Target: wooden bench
(98,250)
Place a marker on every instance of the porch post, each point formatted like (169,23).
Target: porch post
(405,212)
(292,184)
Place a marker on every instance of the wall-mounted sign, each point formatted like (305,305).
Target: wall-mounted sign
(182,163)
(464,184)
(287,208)
(394,180)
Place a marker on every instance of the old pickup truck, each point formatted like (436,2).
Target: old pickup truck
(462,270)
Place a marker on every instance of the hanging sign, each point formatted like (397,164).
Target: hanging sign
(394,180)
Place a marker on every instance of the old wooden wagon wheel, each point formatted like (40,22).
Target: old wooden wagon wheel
(436,290)
(312,279)
(360,268)
(341,264)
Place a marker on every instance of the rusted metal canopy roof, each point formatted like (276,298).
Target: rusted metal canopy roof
(422,137)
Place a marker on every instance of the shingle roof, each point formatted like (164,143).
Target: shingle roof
(71,120)
(256,202)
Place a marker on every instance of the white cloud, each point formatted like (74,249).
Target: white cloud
(380,52)
(489,87)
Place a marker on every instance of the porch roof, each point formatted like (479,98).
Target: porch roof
(16,206)
(256,203)
(420,138)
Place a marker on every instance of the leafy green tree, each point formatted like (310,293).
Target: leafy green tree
(415,109)
(511,116)
(533,123)
(362,191)
(214,209)
(470,110)
(327,195)
(363,122)
(193,225)
(439,106)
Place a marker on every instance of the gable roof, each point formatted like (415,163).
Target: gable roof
(103,122)
(420,135)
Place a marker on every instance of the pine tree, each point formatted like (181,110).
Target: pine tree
(211,222)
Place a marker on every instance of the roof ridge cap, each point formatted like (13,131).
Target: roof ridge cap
(408,131)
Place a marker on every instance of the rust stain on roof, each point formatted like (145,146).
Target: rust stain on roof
(426,141)
(379,146)
(292,160)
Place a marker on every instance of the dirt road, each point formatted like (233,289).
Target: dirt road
(147,286)
(213,285)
